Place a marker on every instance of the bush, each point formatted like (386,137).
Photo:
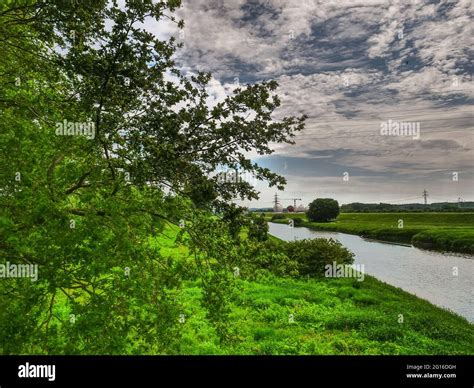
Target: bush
(267,257)
(278,217)
(297,221)
(258,228)
(323,210)
(313,254)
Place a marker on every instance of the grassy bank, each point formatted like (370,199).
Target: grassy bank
(272,315)
(441,231)
(336,316)
(322,316)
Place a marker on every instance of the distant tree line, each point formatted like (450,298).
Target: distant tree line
(358,207)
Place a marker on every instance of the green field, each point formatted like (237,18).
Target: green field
(441,231)
(322,316)
(272,315)
(337,316)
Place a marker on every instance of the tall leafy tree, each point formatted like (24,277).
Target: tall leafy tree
(83,207)
(323,210)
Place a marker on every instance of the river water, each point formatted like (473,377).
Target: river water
(426,274)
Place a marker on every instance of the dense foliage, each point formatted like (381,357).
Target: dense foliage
(258,228)
(323,210)
(312,255)
(104,142)
(297,221)
(278,216)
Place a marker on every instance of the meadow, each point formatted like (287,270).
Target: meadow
(281,315)
(338,316)
(439,231)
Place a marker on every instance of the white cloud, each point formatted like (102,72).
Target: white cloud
(348,64)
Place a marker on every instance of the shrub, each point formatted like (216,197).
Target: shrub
(278,217)
(313,254)
(268,256)
(258,229)
(297,221)
(323,210)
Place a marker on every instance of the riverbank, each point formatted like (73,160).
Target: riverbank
(275,315)
(452,232)
(426,274)
(272,315)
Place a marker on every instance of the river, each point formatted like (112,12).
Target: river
(426,274)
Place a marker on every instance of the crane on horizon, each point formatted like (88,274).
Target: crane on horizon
(292,199)
(276,201)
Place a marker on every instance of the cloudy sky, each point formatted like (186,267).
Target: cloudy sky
(352,66)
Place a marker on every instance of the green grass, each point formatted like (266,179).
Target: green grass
(336,316)
(441,231)
(330,316)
